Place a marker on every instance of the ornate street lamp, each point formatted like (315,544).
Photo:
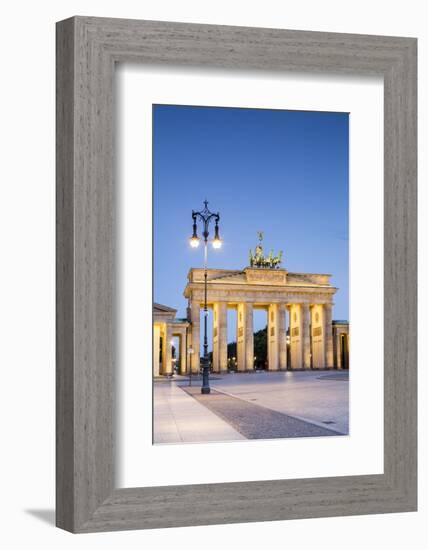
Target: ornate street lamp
(205,216)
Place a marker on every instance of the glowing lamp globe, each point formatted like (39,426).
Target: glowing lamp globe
(194,242)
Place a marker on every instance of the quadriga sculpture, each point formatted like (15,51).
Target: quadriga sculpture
(258,259)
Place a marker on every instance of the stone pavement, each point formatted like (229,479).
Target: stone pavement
(249,407)
(254,421)
(179,418)
(320,397)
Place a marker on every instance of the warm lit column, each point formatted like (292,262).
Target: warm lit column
(220,337)
(306,337)
(249,337)
(328,336)
(216,350)
(167,348)
(347,352)
(282,336)
(183,353)
(318,330)
(338,351)
(296,348)
(195,314)
(272,337)
(245,337)
(240,337)
(156,349)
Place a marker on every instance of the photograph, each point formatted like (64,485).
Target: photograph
(251,332)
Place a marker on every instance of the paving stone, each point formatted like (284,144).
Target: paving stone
(254,421)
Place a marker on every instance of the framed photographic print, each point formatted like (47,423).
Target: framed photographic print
(236,274)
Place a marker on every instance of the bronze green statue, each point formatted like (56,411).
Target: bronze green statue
(258,259)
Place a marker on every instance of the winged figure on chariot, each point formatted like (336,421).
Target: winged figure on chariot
(258,259)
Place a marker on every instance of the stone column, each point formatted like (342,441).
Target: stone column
(216,350)
(183,353)
(318,337)
(220,337)
(240,337)
(296,347)
(282,336)
(347,351)
(306,337)
(222,334)
(156,349)
(249,338)
(338,354)
(244,337)
(328,336)
(273,337)
(195,314)
(167,350)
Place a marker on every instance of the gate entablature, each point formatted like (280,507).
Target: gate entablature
(260,286)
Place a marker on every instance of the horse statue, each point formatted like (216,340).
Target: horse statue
(258,259)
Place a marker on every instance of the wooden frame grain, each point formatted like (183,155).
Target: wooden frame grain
(87,50)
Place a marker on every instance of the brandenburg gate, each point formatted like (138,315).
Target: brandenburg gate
(306,299)
(300,330)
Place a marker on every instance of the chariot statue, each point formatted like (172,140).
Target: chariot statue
(258,259)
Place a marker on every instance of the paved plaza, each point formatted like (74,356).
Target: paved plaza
(258,405)
(179,418)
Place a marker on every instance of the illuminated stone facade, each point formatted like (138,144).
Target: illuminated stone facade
(165,328)
(300,301)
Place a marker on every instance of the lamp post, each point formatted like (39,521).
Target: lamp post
(205,216)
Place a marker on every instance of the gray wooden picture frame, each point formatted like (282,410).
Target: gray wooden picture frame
(87,51)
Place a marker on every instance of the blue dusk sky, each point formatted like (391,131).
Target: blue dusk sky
(282,172)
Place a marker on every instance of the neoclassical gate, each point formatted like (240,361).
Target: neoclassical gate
(303,301)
